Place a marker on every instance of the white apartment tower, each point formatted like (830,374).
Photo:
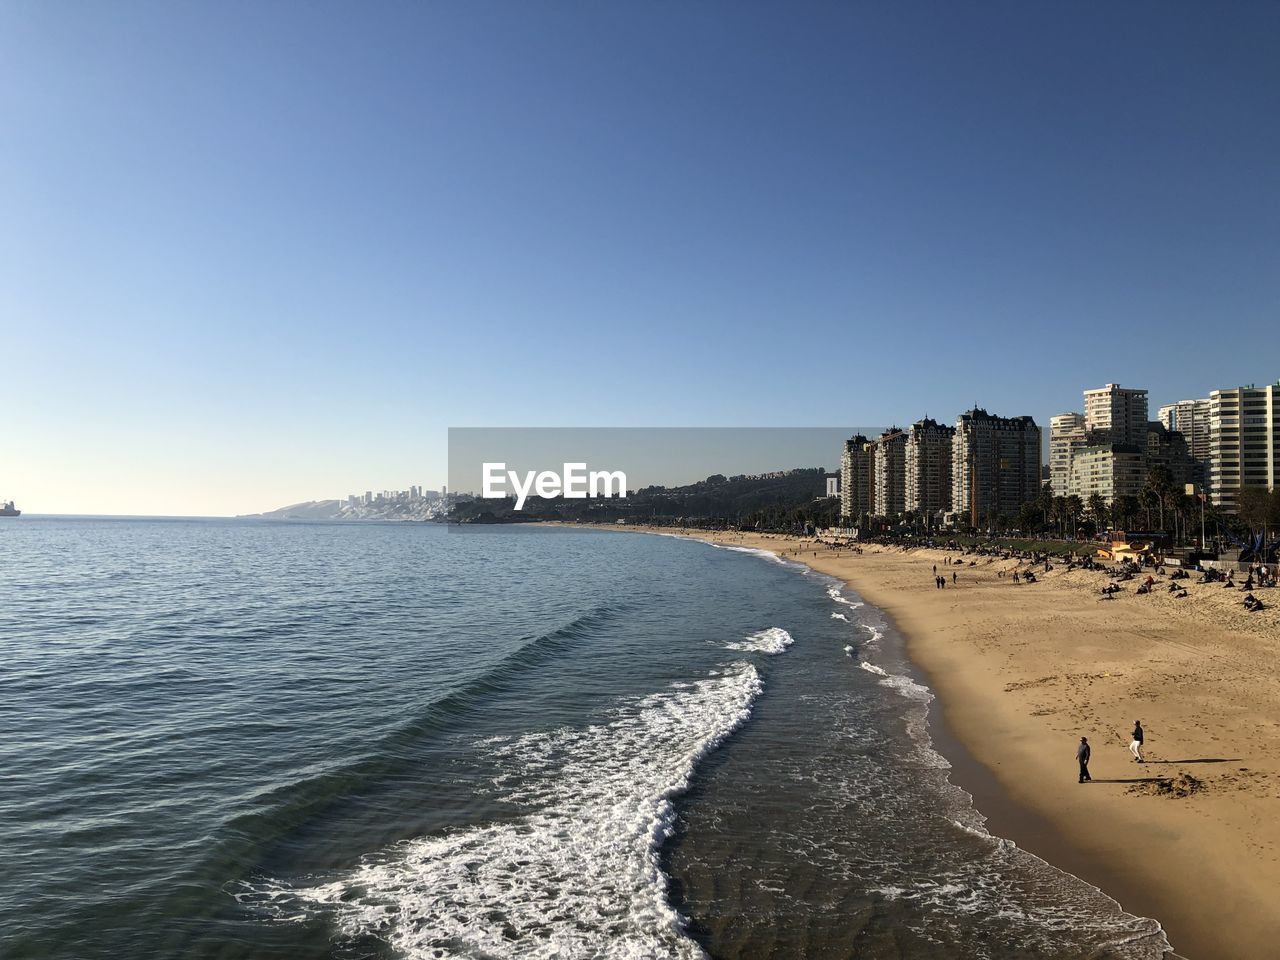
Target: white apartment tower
(1117,414)
(857,477)
(1110,470)
(1244,437)
(890,473)
(1191,419)
(1066,435)
(928,468)
(995,465)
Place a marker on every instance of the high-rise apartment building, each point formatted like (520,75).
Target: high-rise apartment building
(1191,419)
(1115,414)
(1066,434)
(890,473)
(857,477)
(1169,449)
(928,468)
(995,465)
(1244,437)
(1109,470)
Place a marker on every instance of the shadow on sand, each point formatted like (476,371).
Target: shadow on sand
(1200,760)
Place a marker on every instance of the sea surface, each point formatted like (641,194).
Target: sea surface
(234,739)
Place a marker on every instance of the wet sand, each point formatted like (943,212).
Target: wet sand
(1022,671)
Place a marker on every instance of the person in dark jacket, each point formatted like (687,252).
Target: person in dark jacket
(1082,755)
(1135,745)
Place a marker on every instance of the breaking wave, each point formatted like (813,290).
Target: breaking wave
(579,873)
(772,641)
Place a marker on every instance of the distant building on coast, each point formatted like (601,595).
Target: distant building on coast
(1244,438)
(995,465)
(1108,470)
(928,468)
(1190,418)
(890,473)
(1067,433)
(1116,414)
(857,477)
(989,465)
(1169,449)
(1109,450)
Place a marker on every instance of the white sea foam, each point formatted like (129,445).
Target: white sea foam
(848,648)
(978,829)
(917,717)
(925,889)
(755,551)
(835,594)
(874,631)
(898,683)
(579,875)
(907,687)
(772,641)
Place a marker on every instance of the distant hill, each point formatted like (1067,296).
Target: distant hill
(403,507)
(774,499)
(308,510)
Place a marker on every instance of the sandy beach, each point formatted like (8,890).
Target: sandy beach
(1022,671)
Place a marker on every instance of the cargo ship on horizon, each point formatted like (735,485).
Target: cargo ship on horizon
(7,509)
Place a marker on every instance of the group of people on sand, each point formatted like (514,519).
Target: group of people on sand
(940,581)
(1130,570)
(1020,576)
(1084,751)
(1264,575)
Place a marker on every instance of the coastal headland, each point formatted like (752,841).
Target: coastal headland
(1023,670)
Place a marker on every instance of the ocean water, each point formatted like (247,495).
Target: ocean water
(252,740)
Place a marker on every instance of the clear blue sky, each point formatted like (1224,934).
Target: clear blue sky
(256,253)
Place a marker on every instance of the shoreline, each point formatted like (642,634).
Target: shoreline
(1020,672)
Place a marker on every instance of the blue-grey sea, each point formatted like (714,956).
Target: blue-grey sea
(236,739)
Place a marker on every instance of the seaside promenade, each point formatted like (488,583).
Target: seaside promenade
(1023,670)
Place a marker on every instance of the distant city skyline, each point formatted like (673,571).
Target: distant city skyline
(253,256)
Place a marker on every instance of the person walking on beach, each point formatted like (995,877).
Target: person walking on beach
(1135,745)
(1082,755)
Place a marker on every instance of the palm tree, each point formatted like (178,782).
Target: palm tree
(1123,511)
(1148,498)
(1056,510)
(1074,507)
(1044,502)
(1098,507)
(1158,485)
